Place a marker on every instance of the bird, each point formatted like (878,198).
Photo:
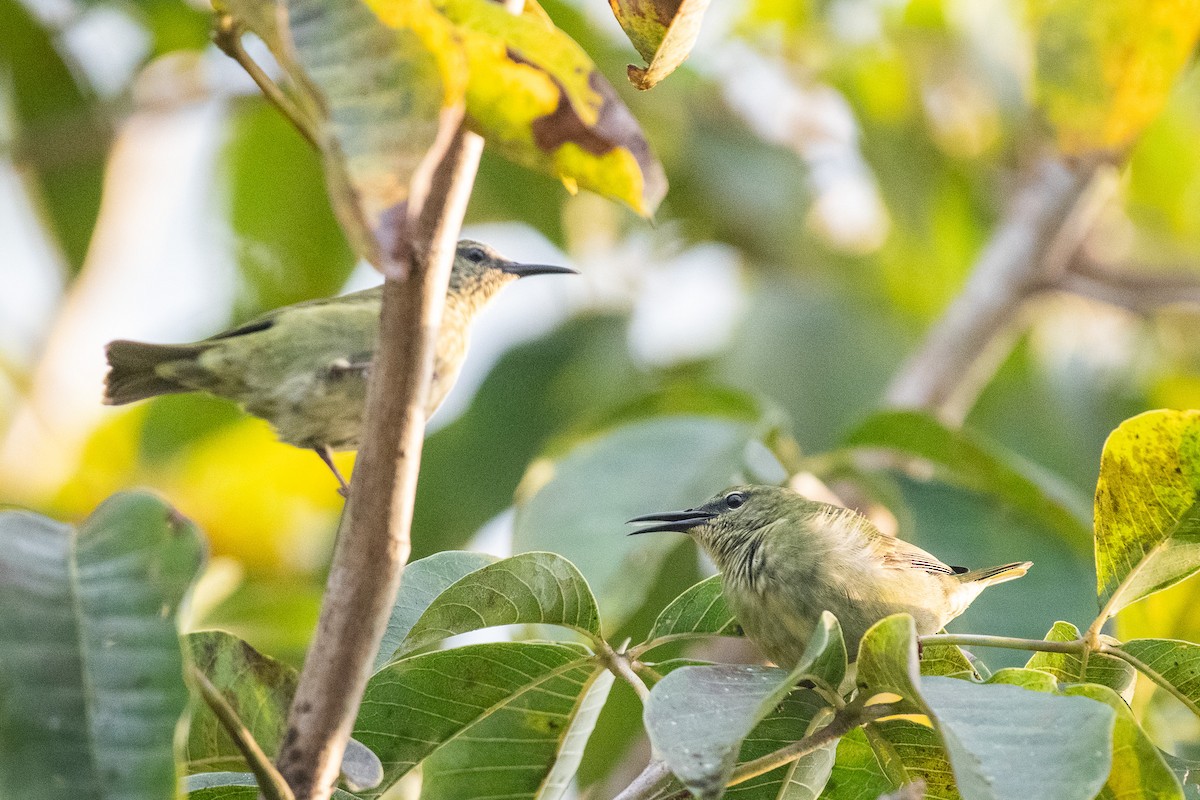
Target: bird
(784,559)
(303,367)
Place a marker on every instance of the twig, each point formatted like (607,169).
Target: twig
(618,664)
(652,779)
(227,36)
(1151,673)
(270,783)
(1040,233)
(1005,642)
(1139,292)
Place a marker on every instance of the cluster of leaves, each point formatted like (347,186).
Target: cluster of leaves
(91,667)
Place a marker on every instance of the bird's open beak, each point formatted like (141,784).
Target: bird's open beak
(525,270)
(678,521)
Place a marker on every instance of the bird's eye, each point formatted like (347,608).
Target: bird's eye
(735,499)
(474,254)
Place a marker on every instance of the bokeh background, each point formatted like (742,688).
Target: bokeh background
(836,167)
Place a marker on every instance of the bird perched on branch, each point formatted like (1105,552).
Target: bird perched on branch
(303,367)
(784,559)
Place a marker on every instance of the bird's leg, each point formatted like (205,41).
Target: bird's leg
(327,456)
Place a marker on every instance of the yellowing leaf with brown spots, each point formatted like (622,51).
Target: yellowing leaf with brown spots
(663,31)
(1104,70)
(1148,507)
(536,96)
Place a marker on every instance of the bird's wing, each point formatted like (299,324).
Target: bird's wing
(265,321)
(899,554)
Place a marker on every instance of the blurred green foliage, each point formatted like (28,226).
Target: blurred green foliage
(942,122)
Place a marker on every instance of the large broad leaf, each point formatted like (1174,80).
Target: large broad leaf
(531,588)
(1139,771)
(422,582)
(999,738)
(908,751)
(91,674)
(970,460)
(1147,508)
(1104,71)
(1170,663)
(61,132)
(1070,667)
(233,786)
(577,504)
(663,32)
(415,705)
(1002,740)
(697,717)
(700,610)
(524,767)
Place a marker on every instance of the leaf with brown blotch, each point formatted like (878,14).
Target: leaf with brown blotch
(663,31)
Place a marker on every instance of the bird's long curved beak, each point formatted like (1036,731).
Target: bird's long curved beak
(677,521)
(525,270)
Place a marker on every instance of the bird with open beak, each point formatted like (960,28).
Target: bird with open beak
(784,559)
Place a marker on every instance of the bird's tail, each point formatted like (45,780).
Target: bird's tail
(133,370)
(992,575)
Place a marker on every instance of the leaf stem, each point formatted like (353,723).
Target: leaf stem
(227,36)
(1005,642)
(271,784)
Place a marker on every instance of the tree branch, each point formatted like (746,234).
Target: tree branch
(1141,291)
(1040,233)
(619,664)
(373,543)
(1005,642)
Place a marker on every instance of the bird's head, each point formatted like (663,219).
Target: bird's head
(733,520)
(479,272)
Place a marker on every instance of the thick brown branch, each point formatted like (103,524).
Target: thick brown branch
(373,543)
(1038,236)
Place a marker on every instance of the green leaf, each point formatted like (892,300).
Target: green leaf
(415,705)
(856,774)
(946,660)
(1139,771)
(1069,667)
(473,760)
(697,717)
(1169,662)
(233,786)
(804,778)
(663,32)
(887,658)
(908,751)
(420,585)
(699,610)
(577,503)
(1002,740)
(62,133)
(1033,679)
(1103,73)
(259,689)
(91,684)
(1147,509)
(967,459)
(531,588)
(536,96)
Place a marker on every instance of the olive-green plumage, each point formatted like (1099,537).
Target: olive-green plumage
(303,367)
(784,559)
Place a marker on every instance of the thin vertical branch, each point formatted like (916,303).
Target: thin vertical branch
(374,543)
(1039,235)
